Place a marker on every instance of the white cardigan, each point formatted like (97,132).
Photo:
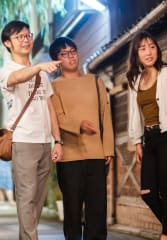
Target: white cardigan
(136,123)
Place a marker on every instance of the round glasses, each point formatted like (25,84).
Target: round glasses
(66,54)
(22,37)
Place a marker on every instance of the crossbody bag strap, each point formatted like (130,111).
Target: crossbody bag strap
(37,83)
(99,107)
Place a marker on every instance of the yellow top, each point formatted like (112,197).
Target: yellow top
(147,102)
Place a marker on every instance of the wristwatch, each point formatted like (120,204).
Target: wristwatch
(59,142)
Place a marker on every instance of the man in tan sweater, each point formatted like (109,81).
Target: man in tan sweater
(82,172)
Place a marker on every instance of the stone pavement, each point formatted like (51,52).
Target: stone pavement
(49,228)
(47,231)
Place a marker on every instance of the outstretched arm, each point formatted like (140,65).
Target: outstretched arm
(26,73)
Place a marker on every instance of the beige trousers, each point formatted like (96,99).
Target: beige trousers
(31,167)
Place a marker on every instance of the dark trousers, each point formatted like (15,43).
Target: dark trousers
(154,174)
(83,184)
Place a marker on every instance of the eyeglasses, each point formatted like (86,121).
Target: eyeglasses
(67,54)
(22,37)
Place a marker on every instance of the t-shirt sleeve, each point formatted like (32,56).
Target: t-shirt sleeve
(4,75)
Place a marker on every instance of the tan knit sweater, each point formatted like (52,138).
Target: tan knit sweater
(76,100)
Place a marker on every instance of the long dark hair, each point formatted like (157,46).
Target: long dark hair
(135,67)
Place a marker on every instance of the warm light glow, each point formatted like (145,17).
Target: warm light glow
(94,4)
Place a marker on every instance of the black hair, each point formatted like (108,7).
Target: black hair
(58,44)
(135,67)
(11,28)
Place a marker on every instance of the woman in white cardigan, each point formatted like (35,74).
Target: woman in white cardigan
(147,77)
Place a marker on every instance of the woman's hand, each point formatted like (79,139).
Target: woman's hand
(139,152)
(108,159)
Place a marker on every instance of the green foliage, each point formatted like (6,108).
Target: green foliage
(14,9)
(22,9)
(58,6)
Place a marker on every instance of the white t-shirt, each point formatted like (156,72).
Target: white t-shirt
(34,126)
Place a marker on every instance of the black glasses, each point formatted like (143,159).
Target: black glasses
(66,54)
(22,37)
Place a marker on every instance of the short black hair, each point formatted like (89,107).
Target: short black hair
(12,27)
(58,44)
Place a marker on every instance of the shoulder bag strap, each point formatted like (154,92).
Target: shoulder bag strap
(37,83)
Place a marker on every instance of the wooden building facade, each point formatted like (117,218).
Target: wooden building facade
(103,43)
